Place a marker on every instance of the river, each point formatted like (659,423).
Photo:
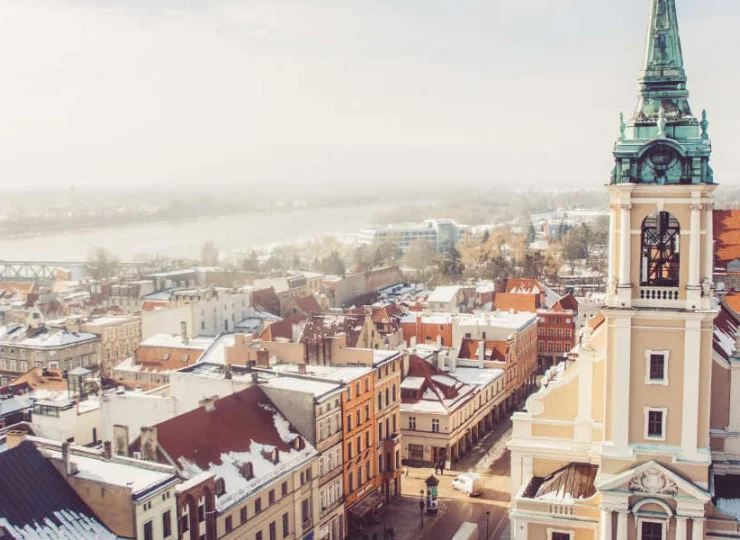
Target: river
(230,233)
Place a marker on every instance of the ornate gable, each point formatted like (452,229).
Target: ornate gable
(653,479)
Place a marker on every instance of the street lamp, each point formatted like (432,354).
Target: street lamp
(488,517)
(421,507)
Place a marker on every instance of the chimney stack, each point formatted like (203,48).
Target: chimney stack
(120,438)
(106,449)
(69,468)
(184,333)
(208,404)
(481,354)
(227,370)
(148,443)
(14,437)
(302,368)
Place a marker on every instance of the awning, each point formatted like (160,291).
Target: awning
(371,503)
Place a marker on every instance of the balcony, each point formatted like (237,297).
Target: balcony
(307,524)
(652,296)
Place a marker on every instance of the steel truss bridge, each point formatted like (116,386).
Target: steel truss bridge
(46,270)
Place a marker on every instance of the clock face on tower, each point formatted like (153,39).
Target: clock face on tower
(662,164)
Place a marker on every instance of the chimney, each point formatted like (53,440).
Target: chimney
(405,363)
(14,437)
(69,467)
(227,370)
(499,285)
(263,358)
(439,341)
(107,449)
(302,368)
(453,363)
(120,438)
(481,354)
(148,442)
(184,332)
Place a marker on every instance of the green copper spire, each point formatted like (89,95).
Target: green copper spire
(663,143)
(663,79)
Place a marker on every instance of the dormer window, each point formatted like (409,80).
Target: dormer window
(660,250)
(247,470)
(220,487)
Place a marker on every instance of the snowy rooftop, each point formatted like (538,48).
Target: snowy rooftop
(137,479)
(318,389)
(444,294)
(49,339)
(216,353)
(110,320)
(343,374)
(175,341)
(380,356)
(501,319)
(477,376)
(412,383)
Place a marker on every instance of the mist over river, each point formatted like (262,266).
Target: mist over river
(238,232)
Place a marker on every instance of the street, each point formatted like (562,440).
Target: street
(491,460)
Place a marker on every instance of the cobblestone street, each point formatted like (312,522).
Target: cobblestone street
(490,459)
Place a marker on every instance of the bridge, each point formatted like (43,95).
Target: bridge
(46,270)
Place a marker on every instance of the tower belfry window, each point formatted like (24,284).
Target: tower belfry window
(660,258)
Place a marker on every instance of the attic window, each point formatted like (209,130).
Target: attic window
(298,443)
(166,356)
(185,357)
(247,470)
(220,487)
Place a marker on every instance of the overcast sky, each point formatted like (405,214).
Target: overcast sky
(518,92)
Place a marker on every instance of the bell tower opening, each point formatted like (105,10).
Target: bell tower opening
(660,260)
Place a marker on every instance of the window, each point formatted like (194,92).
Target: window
(286,525)
(358,418)
(271,496)
(655,423)
(367,439)
(229,524)
(652,530)
(357,389)
(258,536)
(387,396)
(435,425)
(258,506)
(367,384)
(349,422)
(148,531)
(359,476)
(284,489)
(380,462)
(412,423)
(367,412)
(380,432)
(351,482)
(660,251)
(416,452)
(394,393)
(369,470)
(243,514)
(656,367)
(359,444)
(166,524)
(349,450)
(273,531)
(558,535)
(380,400)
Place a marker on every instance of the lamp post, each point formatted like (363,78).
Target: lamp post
(488,517)
(421,507)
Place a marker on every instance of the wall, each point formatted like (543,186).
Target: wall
(135,410)
(188,390)
(297,407)
(166,321)
(355,285)
(69,424)
(161,501)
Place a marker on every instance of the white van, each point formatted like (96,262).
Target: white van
(468,483)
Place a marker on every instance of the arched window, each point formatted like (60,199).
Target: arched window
(661,235)
(220,487)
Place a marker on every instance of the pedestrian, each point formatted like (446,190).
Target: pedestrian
(442,468)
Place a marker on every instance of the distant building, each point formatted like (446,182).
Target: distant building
(442,234)
(119,337)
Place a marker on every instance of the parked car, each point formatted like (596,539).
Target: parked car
(468,483)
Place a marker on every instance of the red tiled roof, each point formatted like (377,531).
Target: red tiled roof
(437,385)
(309,304)
(34,378)
(267,300)
(726,237)
(523,286)
(568,302)
(282,329)
(732,300)
(725,327)
(495,350)
(516,301)
(151,305)
(202,437)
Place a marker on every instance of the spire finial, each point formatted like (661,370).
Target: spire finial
(663,79)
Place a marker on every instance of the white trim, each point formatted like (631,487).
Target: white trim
(666,355)
(647,411)
(550,531)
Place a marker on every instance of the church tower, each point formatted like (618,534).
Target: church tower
(615,446)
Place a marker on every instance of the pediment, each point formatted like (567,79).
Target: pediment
(653,479)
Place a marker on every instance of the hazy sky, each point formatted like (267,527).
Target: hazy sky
(515,92)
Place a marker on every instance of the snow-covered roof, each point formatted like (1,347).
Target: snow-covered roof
(501,319)
(216,353)
(412,383)
(317,389)
(477,376)
(444,294)
(46,338)
(343,374)
(175,341)
(117,473)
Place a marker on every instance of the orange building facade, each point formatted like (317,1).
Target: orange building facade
(387,375)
